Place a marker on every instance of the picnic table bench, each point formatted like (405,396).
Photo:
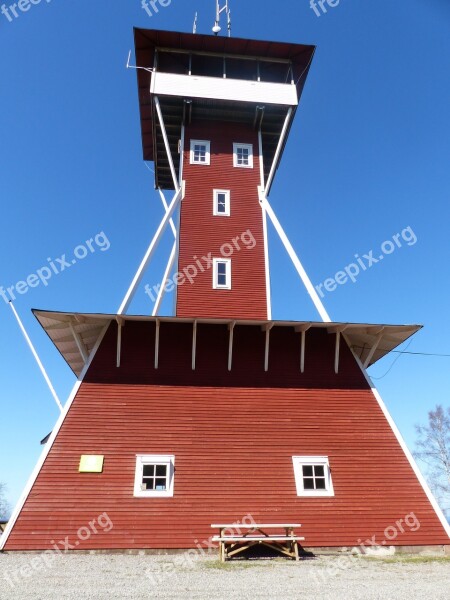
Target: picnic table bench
(232,540)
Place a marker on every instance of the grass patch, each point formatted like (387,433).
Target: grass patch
(234,564)
(408,560)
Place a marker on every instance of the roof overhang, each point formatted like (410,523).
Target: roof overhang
(75,334)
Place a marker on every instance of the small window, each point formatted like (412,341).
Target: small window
(313,476)
(222,273)
(221,203)
(243,155)
(154,475)
(200,152)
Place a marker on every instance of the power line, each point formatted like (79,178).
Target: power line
(420,353)
(400,352)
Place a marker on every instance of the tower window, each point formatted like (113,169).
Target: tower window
(222,273)
(154,475)
(243,155)
(221,203)
(312,476)
(200,152)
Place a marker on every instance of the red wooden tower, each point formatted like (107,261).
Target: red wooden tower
(218,412)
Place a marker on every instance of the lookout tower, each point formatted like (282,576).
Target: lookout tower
(218,412)
(215,117)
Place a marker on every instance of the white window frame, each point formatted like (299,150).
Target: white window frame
(300,462)
(216,284)
(216,212)
(250,155)
(153,459)
(208,152)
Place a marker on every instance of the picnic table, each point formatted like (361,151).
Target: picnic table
(236,537)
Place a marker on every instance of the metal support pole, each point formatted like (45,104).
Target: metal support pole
(38,360)
(148,255)
(296,261)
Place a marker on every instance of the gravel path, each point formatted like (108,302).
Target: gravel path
(86,577)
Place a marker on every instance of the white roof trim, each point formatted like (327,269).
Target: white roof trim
(48,446)
(404,447)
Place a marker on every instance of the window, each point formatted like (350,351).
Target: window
(243,155)
(312,476)
(221,203)
(200,152)
(222,273)
(154,475)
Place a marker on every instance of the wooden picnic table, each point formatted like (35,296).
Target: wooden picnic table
(232,540)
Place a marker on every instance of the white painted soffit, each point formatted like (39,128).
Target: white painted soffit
(87,327)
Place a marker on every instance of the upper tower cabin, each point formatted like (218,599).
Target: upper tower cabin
(215,114)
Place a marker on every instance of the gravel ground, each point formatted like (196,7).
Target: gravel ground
(84,577)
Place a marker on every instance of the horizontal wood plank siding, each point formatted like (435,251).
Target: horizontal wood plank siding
(233,442)
(202,233)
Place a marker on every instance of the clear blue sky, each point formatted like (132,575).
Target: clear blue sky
(368,156)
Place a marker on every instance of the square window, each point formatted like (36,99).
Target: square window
(154,475)
(200,152)
(313,476)
(222,273)
(243,156)
(221,199)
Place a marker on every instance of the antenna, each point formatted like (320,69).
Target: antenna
(217,28)
(194,29)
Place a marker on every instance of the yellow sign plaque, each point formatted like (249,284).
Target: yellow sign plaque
(90,463)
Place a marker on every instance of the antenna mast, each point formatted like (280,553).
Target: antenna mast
(194,29)
(217,28)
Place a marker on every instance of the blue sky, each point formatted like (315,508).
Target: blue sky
(368,156)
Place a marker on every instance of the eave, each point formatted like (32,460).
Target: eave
(75,334)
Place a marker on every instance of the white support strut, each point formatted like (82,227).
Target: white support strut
(194,345)
(119,341)
(373,349)
(148,255)
(337,352)
(302,352)
(231,327)
(36,356)
(278,152)
(296,261)
(79,342)
(157,326)
(162,289)
(166,143)
(166,206)
(182,184)
(265,234)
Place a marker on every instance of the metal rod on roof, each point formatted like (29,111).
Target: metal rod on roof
(38,360)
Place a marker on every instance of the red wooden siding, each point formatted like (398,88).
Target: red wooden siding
(233,436)
(201,232)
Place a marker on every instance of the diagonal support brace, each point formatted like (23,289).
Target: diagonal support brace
(149,254)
